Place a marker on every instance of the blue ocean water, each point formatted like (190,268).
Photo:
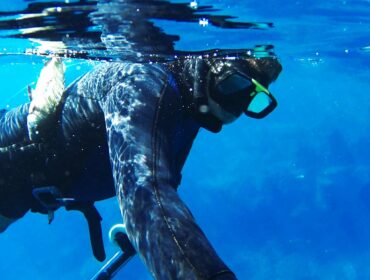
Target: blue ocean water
(286,197)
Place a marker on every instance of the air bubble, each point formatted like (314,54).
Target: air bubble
(193,5)
(204,109)
(203,22)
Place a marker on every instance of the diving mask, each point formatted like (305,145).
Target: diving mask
(237,93)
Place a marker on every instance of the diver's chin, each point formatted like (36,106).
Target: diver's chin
(222,115)
(5,222)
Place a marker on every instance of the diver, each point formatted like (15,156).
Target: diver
(147,115)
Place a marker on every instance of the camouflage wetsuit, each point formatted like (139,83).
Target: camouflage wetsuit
(140,110)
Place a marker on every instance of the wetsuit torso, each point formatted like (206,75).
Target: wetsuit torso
(139,109)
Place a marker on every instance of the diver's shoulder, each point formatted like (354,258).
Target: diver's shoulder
(127,69)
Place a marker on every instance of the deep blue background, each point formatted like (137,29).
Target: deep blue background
(286,197)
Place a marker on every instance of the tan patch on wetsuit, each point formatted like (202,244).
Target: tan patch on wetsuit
(46,97)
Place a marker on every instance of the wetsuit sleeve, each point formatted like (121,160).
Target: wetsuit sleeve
(16,153)
(13,126)
(143,116)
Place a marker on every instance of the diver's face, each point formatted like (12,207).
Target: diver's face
(220,113)
(231,91)
(226,99)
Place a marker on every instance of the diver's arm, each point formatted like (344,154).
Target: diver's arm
(70,137)
(20,158)
(13,127)
(143,117)
(15,149)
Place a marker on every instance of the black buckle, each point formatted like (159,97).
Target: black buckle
(51,198)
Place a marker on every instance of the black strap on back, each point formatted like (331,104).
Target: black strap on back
(50,199)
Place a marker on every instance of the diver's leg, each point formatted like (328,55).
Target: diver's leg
(158,223)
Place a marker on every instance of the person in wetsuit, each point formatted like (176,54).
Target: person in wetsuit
(150,115)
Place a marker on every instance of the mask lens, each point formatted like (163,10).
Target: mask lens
(237,93)
(232,94)
(233,84)
(259,103)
